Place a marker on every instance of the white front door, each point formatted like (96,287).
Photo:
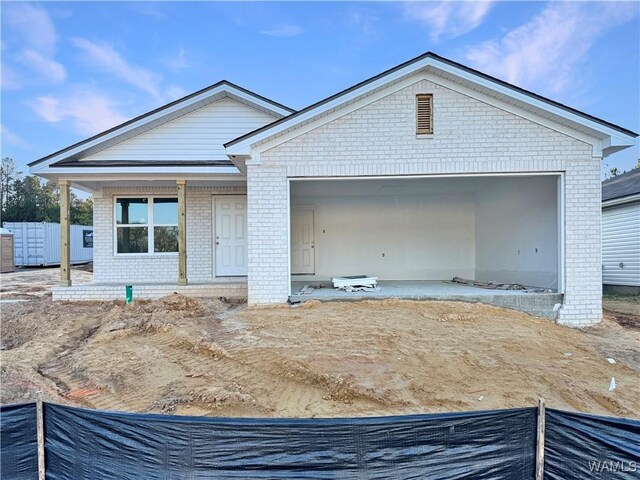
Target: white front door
(230,231)
(302,242)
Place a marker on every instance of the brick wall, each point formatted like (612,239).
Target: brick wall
(84,293)
(110,268)
(469,137)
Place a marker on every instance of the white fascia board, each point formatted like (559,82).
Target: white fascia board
(621,201)
(151,118)
(615,143)
(618,139)
(146,171)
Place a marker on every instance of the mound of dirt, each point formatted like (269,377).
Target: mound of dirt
(210,357)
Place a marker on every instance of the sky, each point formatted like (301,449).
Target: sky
(73,69)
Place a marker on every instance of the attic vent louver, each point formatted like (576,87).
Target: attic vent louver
(424,113)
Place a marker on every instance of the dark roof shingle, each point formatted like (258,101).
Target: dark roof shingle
(621,185)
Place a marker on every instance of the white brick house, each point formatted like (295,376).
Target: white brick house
(427,171)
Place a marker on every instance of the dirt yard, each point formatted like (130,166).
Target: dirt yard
(210,357)
(26,283)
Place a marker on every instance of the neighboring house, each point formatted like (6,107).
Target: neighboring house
(621,233)
(427,171)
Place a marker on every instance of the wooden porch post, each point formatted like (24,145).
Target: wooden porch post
(182,232)
(65,233)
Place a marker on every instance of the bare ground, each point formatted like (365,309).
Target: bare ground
(27,283)
(317,360)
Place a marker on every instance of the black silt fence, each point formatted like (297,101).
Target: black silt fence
(84,444)
(579,446)
(87,444)
(18,442)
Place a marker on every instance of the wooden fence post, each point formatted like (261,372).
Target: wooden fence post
(40,432)
(540,437)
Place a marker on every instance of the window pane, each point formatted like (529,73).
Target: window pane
(131,210)
(165,239)
(165,211)
(133,239)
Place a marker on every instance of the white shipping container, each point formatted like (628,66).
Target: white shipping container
(37,244)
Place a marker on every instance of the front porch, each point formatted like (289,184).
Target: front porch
(232,288)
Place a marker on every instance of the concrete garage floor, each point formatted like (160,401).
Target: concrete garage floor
(540,304)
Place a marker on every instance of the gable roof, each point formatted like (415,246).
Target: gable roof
(621,185)
(165,113)
(422,61)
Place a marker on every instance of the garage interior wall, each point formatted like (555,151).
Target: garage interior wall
(433,228)
(517,231)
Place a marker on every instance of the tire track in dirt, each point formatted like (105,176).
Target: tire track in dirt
(276,385)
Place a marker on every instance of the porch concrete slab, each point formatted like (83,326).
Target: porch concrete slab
(232,289)
(535,303)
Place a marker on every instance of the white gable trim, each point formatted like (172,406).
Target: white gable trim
(610,139)
(187,105)
(256,150)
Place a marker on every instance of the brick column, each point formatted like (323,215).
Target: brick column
(268,234)
(583,251)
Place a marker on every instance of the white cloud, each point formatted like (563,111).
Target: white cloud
(9,138)
(448,19)
(50,70)
(106,58)
(546,53)
(178,61)
(89,112)
(48,108)
(284,31)
(32,24)
(33,34)
(10,80)
(363,20)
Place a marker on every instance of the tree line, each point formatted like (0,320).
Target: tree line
(26,198)
(615,171)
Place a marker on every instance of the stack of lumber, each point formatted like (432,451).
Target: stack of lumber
(356,283)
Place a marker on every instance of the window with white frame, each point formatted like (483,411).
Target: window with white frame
(146,225)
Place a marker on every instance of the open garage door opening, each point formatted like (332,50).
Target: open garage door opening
(416,234)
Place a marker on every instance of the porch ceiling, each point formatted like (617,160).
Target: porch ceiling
(95,185)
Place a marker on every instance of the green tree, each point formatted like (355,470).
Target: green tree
(82,211)
(28,199)
(8,177)
(50,208)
